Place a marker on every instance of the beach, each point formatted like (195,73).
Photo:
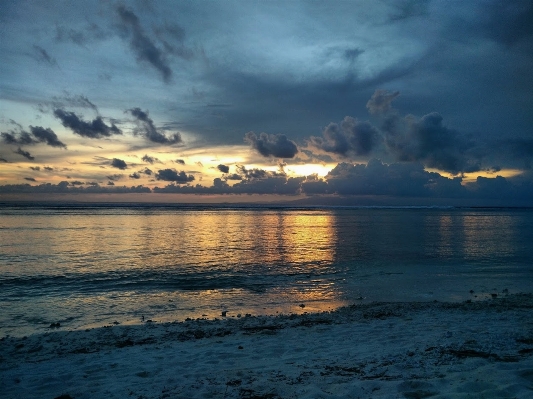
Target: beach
(469,349)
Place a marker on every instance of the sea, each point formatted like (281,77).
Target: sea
(79,266)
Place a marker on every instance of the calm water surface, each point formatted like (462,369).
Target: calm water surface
(91,266)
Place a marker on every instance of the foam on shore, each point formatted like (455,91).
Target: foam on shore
(412,350)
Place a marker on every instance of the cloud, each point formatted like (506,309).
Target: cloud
(180,161)
(119,163)
(73,187)
(81,36)
(3,160)
(428,140)
(135,175)
(42,55)
(115,177)
(276,145)
(147,128)
(380,102)
(351,137)
(223,168)
(146,171)
(40,135)
(25,154)
(95,129)
(143,47)
(149,159)
(46,135)
(29,179)
(509,22)
(174,176)
(35,167)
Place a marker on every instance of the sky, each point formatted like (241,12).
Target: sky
(403,100)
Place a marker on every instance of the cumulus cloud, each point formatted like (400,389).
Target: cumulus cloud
(142,45)
(223,168)
(350,137)
(135,175)
(174,176)
(276,145)
(428,140)
(119,163)
(146,127)
(95,129)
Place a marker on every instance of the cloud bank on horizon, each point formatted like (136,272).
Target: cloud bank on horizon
(408,98)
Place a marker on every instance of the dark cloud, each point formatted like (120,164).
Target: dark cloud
(42,55)
(20,138)
(95,129)
(380,102)
(180,161)
(3,160)
(25,154)
(174,176)
(143,47)
(115,177)
(351,137)
(146,171)
(70,100)
(40,135)
(29,179)
(73,187)
(80,36)
(509,22)
(147,128)
(223,168)
(428,140)
(276,145)
(135,175)
(35,167)
(518,149)
(407,9)
(149,159)
(48,168)
(46,135)
(119,163)
(233,176)
(110,183)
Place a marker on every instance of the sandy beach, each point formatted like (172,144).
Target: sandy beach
(472,349)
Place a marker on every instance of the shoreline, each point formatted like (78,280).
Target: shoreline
(385,349)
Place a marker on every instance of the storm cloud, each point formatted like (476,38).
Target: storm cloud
(275,145)
(351,137)
(94,130)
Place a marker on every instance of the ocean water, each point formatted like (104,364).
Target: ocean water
(86,266)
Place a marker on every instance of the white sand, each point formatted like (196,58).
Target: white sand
(389,350)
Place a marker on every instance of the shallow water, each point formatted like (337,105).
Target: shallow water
(94,265)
